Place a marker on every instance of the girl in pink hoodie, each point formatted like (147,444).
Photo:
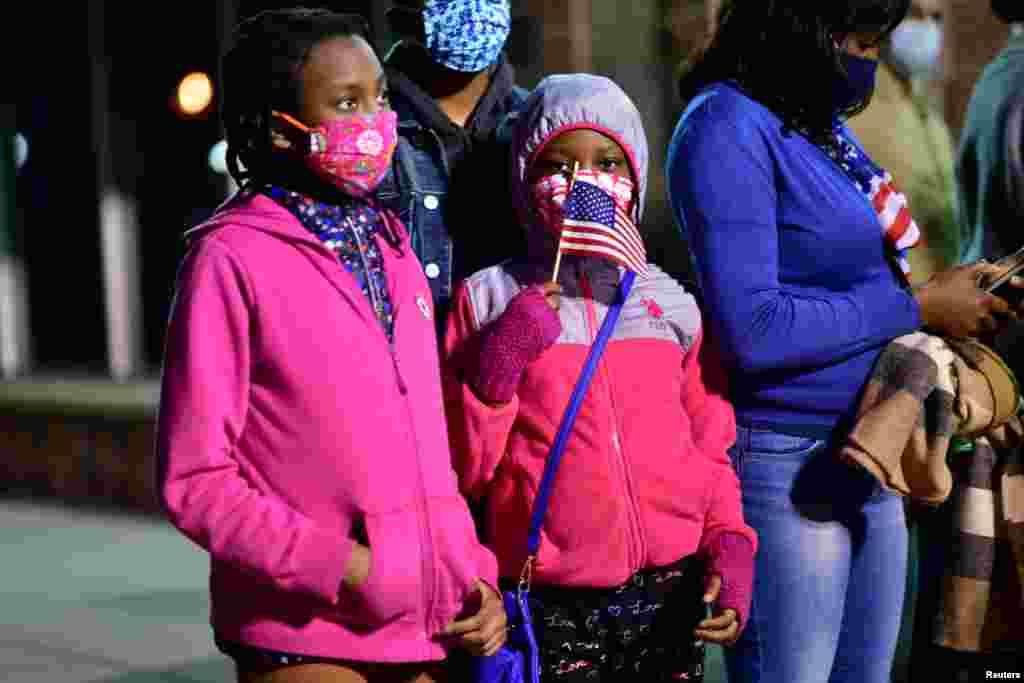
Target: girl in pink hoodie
(645,487)
(301,436)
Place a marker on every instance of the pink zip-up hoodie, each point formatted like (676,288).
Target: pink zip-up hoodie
(289,426)
(646,479)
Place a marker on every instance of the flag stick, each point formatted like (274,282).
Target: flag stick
(558,262)
(558,253)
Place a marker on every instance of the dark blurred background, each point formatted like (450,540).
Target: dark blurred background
(110,170)
(114,170)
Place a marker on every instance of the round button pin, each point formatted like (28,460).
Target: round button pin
(432,270)
(430,201)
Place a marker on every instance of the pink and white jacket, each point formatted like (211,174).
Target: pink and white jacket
(289,426)
(646,479)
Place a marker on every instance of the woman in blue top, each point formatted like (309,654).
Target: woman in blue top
(778,203)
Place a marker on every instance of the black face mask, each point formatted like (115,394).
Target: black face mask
(858,84)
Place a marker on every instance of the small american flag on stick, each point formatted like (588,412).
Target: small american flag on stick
(594,225)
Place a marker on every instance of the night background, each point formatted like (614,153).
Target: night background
(102,175)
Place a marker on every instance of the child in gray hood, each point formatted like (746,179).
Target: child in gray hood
(645,517)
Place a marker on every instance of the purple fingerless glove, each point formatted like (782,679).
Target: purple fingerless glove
(527,328)
(731,556)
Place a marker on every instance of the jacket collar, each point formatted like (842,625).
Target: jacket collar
(256,210)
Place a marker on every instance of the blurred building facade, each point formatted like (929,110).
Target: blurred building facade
(111,221)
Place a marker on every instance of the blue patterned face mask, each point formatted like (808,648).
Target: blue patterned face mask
(466,35)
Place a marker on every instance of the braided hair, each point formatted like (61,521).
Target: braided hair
(261,73)
(783,53)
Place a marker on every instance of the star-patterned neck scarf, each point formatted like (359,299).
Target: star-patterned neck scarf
(350,231)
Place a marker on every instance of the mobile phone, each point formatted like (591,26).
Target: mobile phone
(1013,295)
(1011,265)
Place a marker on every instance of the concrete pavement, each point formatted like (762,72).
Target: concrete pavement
(101,598)
(94,597)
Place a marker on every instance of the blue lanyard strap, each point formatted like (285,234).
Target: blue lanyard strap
(540,505)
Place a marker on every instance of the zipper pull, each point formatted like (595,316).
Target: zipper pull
(402,386)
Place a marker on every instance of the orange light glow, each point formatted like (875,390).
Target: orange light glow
(195,93)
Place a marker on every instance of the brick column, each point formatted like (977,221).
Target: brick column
(119,228)
(973,38)
(566,41)
(688,22)
(641,29)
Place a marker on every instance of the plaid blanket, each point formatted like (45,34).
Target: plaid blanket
(919,395)
(981,606)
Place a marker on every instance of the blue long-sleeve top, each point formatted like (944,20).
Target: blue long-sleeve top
(790,260)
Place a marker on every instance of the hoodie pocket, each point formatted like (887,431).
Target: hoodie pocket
(460,557)
(394,586)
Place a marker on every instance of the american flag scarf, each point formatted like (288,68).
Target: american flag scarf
(898,227)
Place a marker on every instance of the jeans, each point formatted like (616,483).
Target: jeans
(830,568)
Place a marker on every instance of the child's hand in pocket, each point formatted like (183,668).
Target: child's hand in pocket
(358,567)
(723,629)
(485,632)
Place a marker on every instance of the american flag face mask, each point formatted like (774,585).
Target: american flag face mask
(591,217)
(549,195)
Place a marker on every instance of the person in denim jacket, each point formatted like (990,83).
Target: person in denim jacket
(451,86)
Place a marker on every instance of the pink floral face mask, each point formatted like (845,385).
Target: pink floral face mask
(354,153)
(549,194)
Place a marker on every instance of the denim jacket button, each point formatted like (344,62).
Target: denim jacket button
(430,201)
(432,270)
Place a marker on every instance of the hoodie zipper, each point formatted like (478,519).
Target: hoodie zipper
(375,302)
(636,531)
(403,388)
(426,534)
